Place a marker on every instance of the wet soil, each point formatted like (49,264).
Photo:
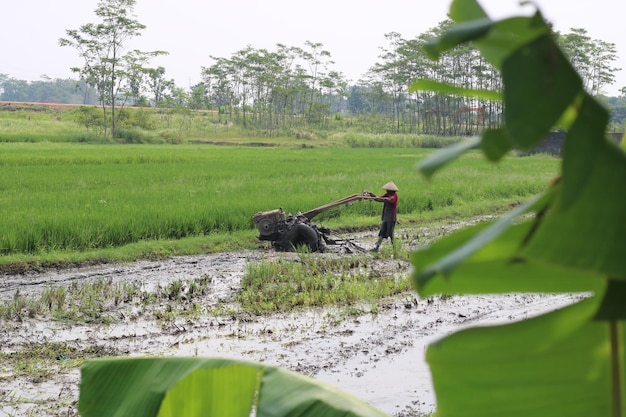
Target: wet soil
(377,357)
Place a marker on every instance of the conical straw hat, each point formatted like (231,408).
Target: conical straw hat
(390,186)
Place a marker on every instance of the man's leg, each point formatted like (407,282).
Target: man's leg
(392,227)
(381,233)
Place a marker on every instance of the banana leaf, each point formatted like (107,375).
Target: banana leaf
(167,387)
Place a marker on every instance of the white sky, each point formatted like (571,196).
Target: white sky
(193,30)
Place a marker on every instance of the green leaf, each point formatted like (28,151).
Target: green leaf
(495,40)
(586,226)
(507,36)
(613,306)
(495,268)
(554,86)
(137,387)
(459,34)
(446,88)
(464,10)
(428,166)
(495,144)
(425,272)
(569,362)
(231,389)
(584,144)
(286,393)
(147,387)
(553,365)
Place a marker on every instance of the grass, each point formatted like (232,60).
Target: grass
(361,140)
(37,361)
(101,301)
(42,123)
(145,249)
(74,202)
(37,123)
(286,284)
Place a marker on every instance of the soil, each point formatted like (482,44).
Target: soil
(364,354)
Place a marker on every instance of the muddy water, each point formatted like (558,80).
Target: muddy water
(377,357)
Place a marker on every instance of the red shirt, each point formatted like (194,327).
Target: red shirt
(390,208)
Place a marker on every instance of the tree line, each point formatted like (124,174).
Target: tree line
(298,87)
(46,90)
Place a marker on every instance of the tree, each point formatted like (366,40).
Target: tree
(265,89)
(158,86)
(199,97)
(318,61)
(391,76)
(46,90)
(107,65)
(591,58)
(441,113)
(13,90)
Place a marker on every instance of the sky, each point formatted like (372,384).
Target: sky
(194,30)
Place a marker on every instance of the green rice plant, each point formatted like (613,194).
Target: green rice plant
(40,360)
(13,308)
(88,302)
(199,286)
(173,290)
(54,298)
(19,307)
(74,197)
(397,250)
(282,284)
(97,302)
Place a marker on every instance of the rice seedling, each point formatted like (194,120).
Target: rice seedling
(101,301)
(284,284)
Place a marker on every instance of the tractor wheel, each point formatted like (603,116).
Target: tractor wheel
(301,234)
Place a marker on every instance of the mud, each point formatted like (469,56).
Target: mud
(377,357)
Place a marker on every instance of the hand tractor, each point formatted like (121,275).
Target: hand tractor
(291,232)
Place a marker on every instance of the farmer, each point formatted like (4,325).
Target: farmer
(390,212)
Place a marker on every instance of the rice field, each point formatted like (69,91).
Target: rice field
(76,197)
